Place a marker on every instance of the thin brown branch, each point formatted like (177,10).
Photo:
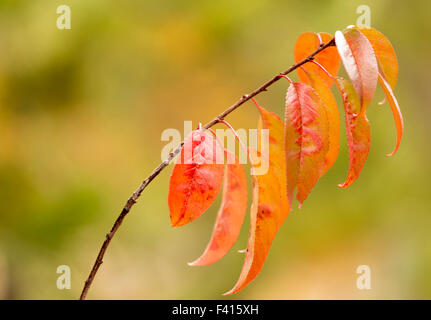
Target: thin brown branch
(134,197)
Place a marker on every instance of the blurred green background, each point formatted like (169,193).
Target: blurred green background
(82,112)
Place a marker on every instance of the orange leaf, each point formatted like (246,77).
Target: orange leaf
(360,63)
(388,74)
(328,99)
(357,130)
(196,178)
(306,44)
(270,206)
(231,214)
(306,135)
(398,117)
(385,54)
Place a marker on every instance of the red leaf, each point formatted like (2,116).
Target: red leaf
(196,178)
(357,130)
(360,63)
(306,135)
(270,206)
(333,119)
(231,214)
(306,44)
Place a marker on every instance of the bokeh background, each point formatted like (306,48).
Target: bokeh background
(82,112)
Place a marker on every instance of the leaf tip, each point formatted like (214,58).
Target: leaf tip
(228,293)
(343,185)
(395,150)
(392,153)
(175,224)
(193,263)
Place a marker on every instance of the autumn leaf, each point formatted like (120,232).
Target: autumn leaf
(231,214)
(269,205)
(357,130)
(393,103)
(306,44)
(325,94)
(388,75)
(306,134)
(196,178)
(360,63)
(385,54)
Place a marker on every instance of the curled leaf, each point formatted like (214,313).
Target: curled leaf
(306,44)
(269,206)
(306,134)
(384,52)
(196,178)
(398,117)
(388,75)
(360,63)
(231,214)
(357,130)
